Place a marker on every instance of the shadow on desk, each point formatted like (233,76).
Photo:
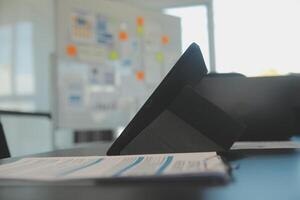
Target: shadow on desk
(106,192)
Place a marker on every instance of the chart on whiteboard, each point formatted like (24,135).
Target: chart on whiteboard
(108,62)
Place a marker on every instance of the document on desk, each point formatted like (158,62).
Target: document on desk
(185,165)
(266,145)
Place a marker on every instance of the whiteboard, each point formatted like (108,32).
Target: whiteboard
(109,57)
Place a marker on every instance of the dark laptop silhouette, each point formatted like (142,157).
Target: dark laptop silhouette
(176,119)
(4,152)
(267,105)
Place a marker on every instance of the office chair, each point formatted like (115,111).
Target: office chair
(4,151)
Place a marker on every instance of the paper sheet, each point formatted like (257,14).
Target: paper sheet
(69,168)
(82,26)
(266,145)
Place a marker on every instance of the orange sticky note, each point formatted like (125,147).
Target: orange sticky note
(71,50)
(140,21)
(123,36)
(140,75)
(165,39)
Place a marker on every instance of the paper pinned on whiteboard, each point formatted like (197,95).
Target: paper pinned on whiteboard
(82,27)
(153,37)
(153,69)
(72,80)
(102,75)
(89,53)
(75,94)
(129,56)
(102,104)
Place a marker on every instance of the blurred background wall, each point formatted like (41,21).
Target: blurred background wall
(42,62)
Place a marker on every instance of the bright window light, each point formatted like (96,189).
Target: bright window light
(257,37)
(193,27)
(5,59)
(16,59)
(24,58)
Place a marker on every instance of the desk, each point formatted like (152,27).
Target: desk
(259,174)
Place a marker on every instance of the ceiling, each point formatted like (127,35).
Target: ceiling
(161,4)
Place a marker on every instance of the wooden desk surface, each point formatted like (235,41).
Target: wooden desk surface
(259,174)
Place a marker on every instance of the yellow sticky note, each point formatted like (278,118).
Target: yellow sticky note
(113,55)
(159,56)
(140,30)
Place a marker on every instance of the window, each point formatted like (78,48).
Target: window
(257,37)
(5,60)
(16,65)
(24,59)
(194,27)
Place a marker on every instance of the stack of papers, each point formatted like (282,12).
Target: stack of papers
(109,167)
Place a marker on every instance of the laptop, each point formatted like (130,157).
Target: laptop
(4,152)
(175,119)
(266,105)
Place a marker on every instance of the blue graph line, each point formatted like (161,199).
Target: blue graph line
(164,165)
(81,167)
(137,161)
